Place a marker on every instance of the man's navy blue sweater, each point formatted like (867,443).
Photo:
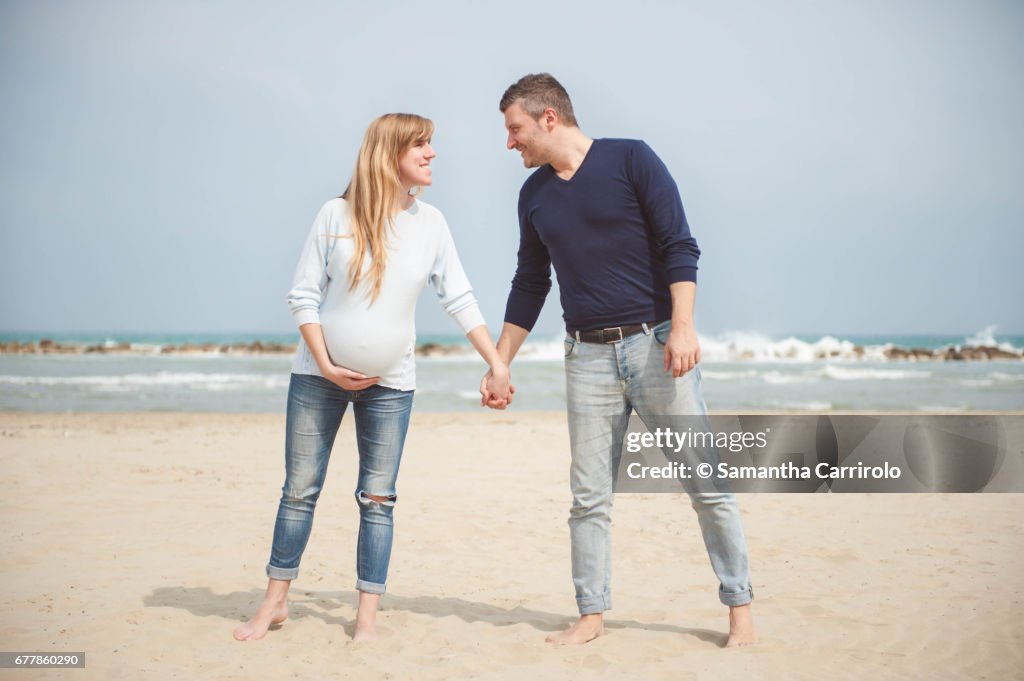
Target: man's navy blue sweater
(615,233)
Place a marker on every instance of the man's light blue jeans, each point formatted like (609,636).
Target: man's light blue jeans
(604,384)
(315,408)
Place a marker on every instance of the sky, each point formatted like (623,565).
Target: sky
(846,167)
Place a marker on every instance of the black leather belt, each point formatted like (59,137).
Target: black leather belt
(612,335)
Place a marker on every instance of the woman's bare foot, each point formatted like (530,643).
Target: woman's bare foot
(268,614)
(273,610)
(585,630)
(741,627)
(366,617)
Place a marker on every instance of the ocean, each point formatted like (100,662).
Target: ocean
(742,372)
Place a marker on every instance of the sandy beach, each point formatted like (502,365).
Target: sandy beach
(141,540)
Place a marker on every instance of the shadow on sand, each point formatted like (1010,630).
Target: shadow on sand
(238,606)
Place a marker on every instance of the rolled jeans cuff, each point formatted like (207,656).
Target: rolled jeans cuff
(369,587)
(736,598)
(282,573)
(592,605)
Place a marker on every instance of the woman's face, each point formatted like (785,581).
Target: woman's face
(414,165)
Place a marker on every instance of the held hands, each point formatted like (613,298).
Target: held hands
(682,351)
(348,379)
(496,389)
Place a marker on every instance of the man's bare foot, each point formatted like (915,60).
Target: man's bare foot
(741,627)
(269,613)
(586,629)
(366,617)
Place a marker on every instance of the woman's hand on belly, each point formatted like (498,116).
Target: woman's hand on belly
(348,379)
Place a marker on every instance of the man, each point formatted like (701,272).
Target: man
(607,214)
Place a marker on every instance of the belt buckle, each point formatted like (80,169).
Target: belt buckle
(614,340)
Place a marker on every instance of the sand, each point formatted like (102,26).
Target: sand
(141,540)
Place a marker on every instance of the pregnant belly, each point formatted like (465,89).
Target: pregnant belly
(373,350)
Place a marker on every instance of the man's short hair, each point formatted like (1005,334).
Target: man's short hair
(536,92)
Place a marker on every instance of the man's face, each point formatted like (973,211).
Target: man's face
(526,136)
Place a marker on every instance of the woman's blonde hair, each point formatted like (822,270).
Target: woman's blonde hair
(375,192)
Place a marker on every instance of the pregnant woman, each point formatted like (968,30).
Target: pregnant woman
(367,258)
